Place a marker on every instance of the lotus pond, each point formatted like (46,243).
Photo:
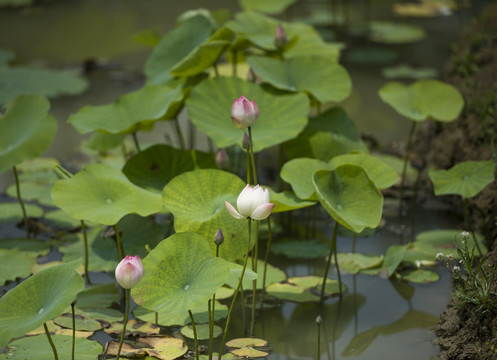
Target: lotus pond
(228,154)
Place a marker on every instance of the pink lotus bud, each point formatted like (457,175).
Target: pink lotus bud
(246,141)
(280,39)
(222,159)
(244,113)
(129,271)
(252,203)
(219,237)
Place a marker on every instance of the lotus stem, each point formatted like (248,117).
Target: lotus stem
(332,248)
(404,166)
(73,330)
(125,323)
(234,64)
(120,250)
(193,135)
(339,276)
(179,134)
(156,318)
(18,190)
(85,241)
(216,71)
(266,259)
(221,347)
(135,139)
(211,319)
(470,225)
(195,339)
(252,159)
(55,355)
(318,323)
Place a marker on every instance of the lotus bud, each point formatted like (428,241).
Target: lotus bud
(219,237)
(244,113)
(222,159)
(280,39)
(252,203)
(129,271)
(319,320)
(245,141)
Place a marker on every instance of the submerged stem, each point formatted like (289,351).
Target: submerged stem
(195,339)
(332,248)
(18,190)
(55,355)
(266,258)
(404,166)
(85,241)
(124,325)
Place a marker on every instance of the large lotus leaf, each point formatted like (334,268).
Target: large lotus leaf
(445,241)
(124,115)
(381,174)
(260,30)
(266,6)
(298,173)
(397,164)
(196,199)
(11,212)
(15,264)
(423,99)
(202,331)
(38,347)
(316,75)
(101,295)
(349,196)
(201,58)
(392,33)
(327,135)
(273,275)
(40,298)
(26,245)
(298,249)
(32,191)
(282,117)
(16,81)
(154,167)
(466,179)
(287,201)
(26,130)
(103,195)
(355,262)
(180,274)
(175,46)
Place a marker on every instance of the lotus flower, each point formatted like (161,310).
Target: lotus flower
(129,271)
(252,203)
(244,113)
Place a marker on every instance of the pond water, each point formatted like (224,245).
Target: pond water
(378,318)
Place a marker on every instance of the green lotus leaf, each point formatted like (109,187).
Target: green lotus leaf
(82,324)
(381,174)
(38,347)
(26,130)
(101,295)
(397,164)
(355,262)
(290,292)
(61,219)
(298,249)
(371,55)
(38,299)
(15,264)
(33,191)
(273,275)
(327,135)
(349,196)
(282,117)
(420,276)
(466,179)
(423,99)
(287,201)
(196,199)
(446,241)
(393,257)
(11,212)
(266,6)
(16,81)
(201,58)
(126,113)
(103,195)
(174,46)
(154,167)
(316,75)
(180,274)
(298,173)
(103,141)
(203,332)
(28,246)
(405,71)
(392,33)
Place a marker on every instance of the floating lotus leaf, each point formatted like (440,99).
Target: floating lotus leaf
(38,299)
(349,196)
(33,191)
(126,113)
(405,71)
(180,274)
(102,295)
(101,314)
(16,81)
(381,174)
(81,324)
(298,173)
(154,167)
(15,264)
(423,99)
(298,249)
(282,117)
(355,262)
(62,219)
(327,135)
(58,330)
(103,141)
(392,33)
(133,327)
(12,212)
(175,46)
(273,275)
(466,179)
(38,347)
(196,199)
(103,195)
(245,342)
(202,331)
(371,55)
(393,257)
(287,201)
(163,348)
(445,241)
(29,246)
(266,6)
(26,130)
(421,276)
(316,75)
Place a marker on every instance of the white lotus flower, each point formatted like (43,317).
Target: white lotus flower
(252,203)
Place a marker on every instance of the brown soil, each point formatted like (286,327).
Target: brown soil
(473,70)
